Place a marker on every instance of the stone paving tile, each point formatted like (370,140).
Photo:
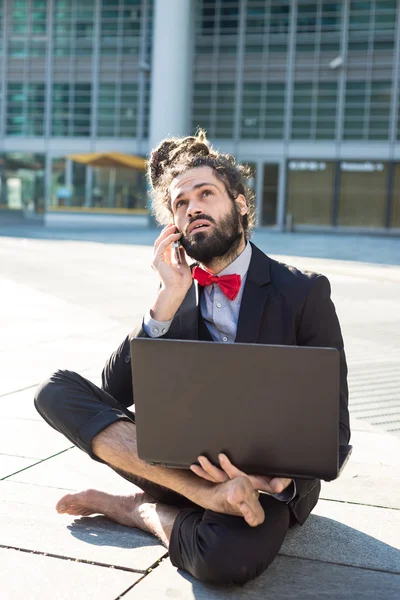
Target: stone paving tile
(30,438)
(367,479)
(19,405)
(75,354)
(12,464)
(38,577)
(376,448)
(31,323)
(287,577)
(350,534)
(375,485)
(28,520)
(74,470)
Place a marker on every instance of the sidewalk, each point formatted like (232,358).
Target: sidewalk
(68,304)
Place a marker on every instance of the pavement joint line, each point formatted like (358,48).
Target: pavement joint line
(45,486)
(37,420)
(37,463)
(35,385)
(17,455)
(28,387)
(71,558)
(145,574)
(372,402)
(358,503)
(340,564)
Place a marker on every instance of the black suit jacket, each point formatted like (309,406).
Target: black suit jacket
(280,305)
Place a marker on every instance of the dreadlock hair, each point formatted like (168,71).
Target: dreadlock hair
(174,156)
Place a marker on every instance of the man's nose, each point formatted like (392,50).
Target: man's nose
(193,209)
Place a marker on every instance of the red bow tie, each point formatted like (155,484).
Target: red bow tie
(229,284)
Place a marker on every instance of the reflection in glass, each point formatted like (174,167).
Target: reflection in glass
(395,217)
(117,188)
(270,194)
(363,193)
(310,185)
(113,189)
(22,182)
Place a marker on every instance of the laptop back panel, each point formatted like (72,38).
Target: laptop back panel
(272,409)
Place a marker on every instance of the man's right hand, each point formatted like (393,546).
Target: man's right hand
(175,279)
(236,497)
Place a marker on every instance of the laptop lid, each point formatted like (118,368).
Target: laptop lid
(273,410)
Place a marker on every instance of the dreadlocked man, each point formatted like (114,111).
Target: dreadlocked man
(213,520)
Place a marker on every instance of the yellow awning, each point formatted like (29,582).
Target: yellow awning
(110,159)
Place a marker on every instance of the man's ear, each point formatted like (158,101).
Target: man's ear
(241,203)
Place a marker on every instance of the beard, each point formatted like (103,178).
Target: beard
(222,242)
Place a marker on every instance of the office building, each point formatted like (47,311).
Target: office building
(306,92)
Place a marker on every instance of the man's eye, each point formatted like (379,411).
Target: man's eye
(206,192)
(180,203)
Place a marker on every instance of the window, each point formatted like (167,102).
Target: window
(214,108)
(395,216)
(24,186)
(71,114)
(120,24)
(363,193)
(314,110)
(367,110)
(118,110)
(218,16)
(310,189)
(25,109)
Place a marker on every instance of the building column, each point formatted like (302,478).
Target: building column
(171,64)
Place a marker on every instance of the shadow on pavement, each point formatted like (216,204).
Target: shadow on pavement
(320,539)
(100,531)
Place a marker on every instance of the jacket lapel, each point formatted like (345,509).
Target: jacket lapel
(187,316)
(254,297)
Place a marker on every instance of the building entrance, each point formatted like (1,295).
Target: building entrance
(269,195)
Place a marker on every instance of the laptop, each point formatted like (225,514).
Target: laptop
(273,410)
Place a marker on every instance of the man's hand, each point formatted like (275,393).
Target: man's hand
(175,279)
(172,275)
(206,470)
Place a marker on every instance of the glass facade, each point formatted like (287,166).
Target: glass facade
(270,194)
(344,193)
(76,68)
(395,212)
(112,189)
(311,85)
(22,182)
(261,62)
(310,186)
(363,193)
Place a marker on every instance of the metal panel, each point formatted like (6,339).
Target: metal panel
(239,73)
(394,108)
(48,80)
(3,73)
(144,67)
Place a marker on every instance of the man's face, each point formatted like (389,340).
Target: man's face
(205,214)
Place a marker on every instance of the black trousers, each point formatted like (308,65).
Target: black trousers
(213,547)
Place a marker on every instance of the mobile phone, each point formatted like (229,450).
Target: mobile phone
(176,247)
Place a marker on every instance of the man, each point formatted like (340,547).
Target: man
(215,523)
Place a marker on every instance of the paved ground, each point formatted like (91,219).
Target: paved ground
(68,296)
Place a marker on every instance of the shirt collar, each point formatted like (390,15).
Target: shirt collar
(240,265)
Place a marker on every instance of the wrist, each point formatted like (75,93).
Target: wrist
(200,491)
(167,304)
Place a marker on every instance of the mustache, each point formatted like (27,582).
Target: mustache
(202,217)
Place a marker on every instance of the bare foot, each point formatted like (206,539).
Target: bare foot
(238,497)
(122,509)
